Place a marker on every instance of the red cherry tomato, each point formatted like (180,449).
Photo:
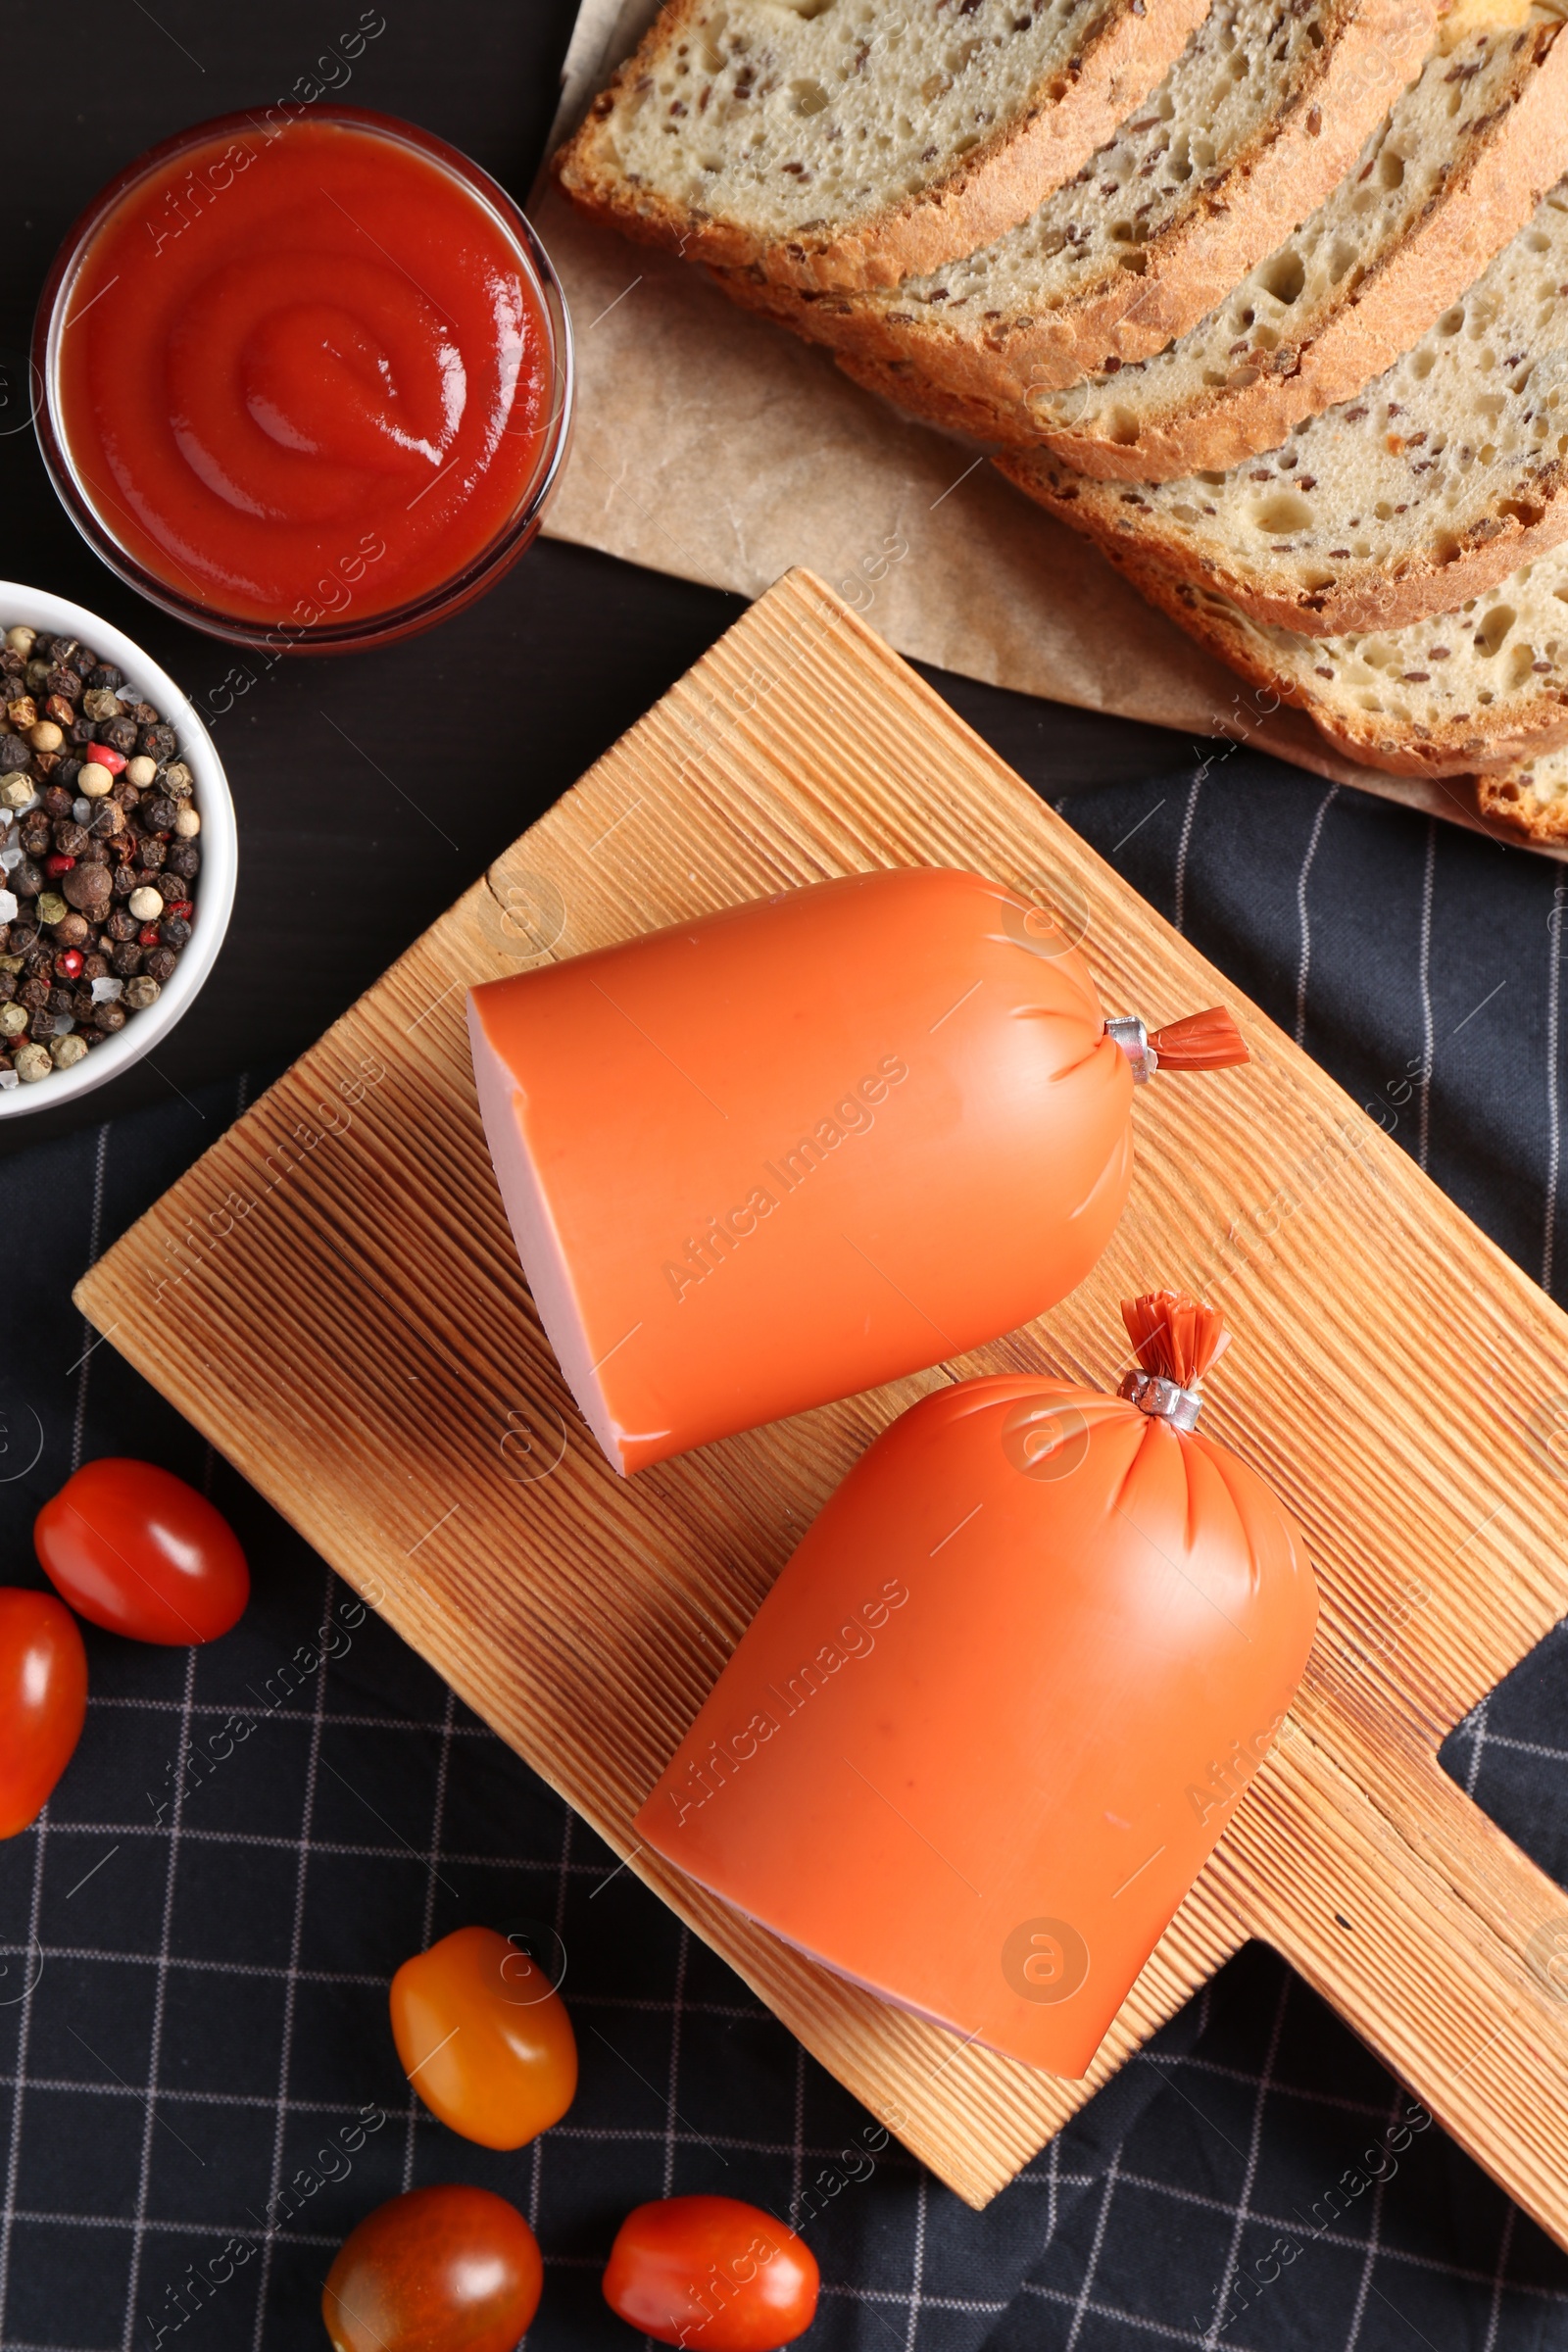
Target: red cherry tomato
(440,2269)
(484,2039)
(43,1700)
(133,1548)
(711,2274)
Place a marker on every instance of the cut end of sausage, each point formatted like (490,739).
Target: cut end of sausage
(502,1106)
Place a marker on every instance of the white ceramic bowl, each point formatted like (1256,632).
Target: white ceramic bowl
(54,616)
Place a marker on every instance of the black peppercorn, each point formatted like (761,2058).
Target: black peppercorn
(159,742)
(26,879)
(106,676)
(107,1018)
(12,754)
(125,881)
(125,956)
(33,992)
(65,683)
(173,932)
(59,999)
(159,811)
(96,853)
(106,821)
(121,735)
(122,925)
(184,858)
(8,987)
(149,856)
(71,839)
(161,961)
(37,838)
(57,801)
(66,775)
(80,734)
(82,1007)
(94,966)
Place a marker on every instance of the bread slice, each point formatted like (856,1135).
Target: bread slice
(1266,108)
(851,142)
(1426,489)
(1442,186)
(1532,799)
(1481,690)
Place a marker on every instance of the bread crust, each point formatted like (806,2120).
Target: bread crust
(1481,206)
(1126,48)
(1366,595)
(1495,743)
(1510,801)
(1282,174)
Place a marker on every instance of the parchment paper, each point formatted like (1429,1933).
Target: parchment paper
(715,446)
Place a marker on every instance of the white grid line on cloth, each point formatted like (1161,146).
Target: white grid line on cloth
(19,2081)
(1244,2202)
(1548,1238)
(269,1841)
(291,1985)
(1095,2249)
(1304,967)
(682,1955)
(917,2263)
(431,1880)
(1183,845)
(64,2084)
(797,2152)
(1127,2319)
(1429,883)
(891,2294)
(1475,1728)
(563,1888)
(132,1702)
(1175,2059)
(1374,2234)
(1504,2249)
(343,1976)
(159,2010)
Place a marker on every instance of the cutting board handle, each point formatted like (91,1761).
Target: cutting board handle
(1427,1928)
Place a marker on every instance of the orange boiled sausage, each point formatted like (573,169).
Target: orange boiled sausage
(986,1729)
(783,1153)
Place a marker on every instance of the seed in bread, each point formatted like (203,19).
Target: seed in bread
(1453,174)
(850,142)
(1479,690)
(1267,107)
(1426,489)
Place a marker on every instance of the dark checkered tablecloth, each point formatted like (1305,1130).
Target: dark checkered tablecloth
(196,1941)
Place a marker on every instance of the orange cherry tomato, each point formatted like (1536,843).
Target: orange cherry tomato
(43,1700)
(440,2269)
(713,2273)
(133,1548)
(483,2038)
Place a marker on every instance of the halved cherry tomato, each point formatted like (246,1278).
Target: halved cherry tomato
(484,2039)
(713,2273)
(43,1700)
(133,1548)
(440,2269)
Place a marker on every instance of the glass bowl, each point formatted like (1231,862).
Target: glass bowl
(476,570)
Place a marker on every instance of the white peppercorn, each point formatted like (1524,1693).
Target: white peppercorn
(147,905)
(187,824)
(140,993)
(12,1019)
(141,771)
(32,1062)
(65,1051)
(16,791)
(45,736)
(94,781)
(21,641)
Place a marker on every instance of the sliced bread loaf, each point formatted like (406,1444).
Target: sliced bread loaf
(1435,481)
(1479,690)
(1266,108)
(1454,171)
(851,142)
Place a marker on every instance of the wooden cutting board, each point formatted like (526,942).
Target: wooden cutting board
(331,1296)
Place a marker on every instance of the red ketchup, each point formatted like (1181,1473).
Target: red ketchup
(306,374)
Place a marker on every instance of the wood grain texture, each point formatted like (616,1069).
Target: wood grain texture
(332,1296)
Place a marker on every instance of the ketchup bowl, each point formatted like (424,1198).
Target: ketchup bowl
(307,378)
(145,1031)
